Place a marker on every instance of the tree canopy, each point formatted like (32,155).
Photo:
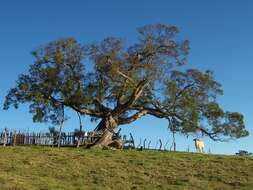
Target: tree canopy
(117,84)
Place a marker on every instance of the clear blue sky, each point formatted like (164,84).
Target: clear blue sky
(220,31)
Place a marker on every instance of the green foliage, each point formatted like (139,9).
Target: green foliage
(126,83)
(194,100)
(55,77)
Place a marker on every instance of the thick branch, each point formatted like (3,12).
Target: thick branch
(134,97)
(124,121)
(86,111)
(211,135)
(74,107)
(156,112)
(125,76)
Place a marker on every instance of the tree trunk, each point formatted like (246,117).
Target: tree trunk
(107,126)
(15,139)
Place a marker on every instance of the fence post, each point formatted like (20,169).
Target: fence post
(139,145)
(161,144)
(149,144)
(15,138)
(144,143)
(166,144)
(5,137)
(132,139)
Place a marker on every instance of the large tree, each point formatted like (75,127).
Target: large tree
(116,85)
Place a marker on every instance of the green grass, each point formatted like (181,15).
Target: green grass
(41,168)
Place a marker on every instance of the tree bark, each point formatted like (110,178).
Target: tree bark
(107,127)
(110,123)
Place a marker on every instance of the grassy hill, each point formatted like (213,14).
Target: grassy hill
(40,168)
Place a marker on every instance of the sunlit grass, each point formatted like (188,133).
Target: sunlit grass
(41,168)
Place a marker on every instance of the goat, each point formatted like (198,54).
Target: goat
(199,144)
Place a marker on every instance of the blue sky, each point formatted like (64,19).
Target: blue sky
(221,38)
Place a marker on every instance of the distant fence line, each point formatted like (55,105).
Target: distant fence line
(70,139)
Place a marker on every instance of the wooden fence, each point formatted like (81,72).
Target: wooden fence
(70,139)
(67,139)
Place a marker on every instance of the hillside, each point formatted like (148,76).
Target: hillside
(40,168)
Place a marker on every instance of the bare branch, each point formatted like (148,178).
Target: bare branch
(125,76)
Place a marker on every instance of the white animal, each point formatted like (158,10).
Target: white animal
(199,144)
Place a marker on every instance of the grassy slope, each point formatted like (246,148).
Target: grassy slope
(30,168)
